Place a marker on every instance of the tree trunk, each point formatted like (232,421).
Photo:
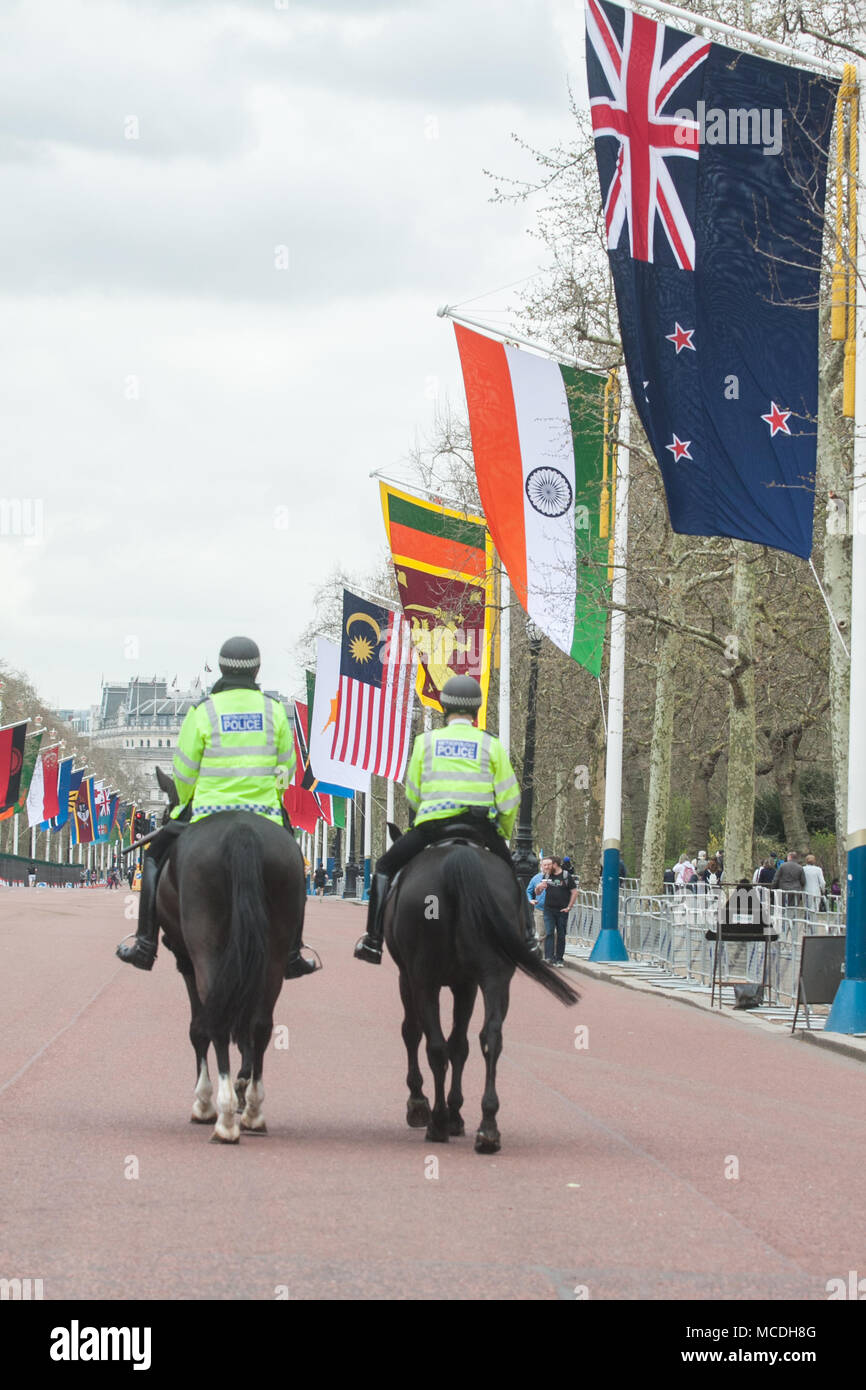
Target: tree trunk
(659,793)
(699,803)
(561,817)
(594,813)
(740,805)
(636,792)
(788,786)
(833,476)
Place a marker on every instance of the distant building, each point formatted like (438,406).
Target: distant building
(140,720)
(79,720)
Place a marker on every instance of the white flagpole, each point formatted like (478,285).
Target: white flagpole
(368,840)
(505,336)
(505,660)
(848,1013)
(389,804)
(609,945)
(783,50)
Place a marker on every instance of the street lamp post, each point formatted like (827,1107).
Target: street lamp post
(352,869)
(525,858)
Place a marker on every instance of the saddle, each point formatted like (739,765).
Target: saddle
(462,833)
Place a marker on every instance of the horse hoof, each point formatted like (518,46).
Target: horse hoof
(485,1144)
(254,1126)
(417,1114)
(230,1138)
(435,1136)
(456,1127)
(202,1119)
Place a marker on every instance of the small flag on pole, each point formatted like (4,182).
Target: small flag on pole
(378,668)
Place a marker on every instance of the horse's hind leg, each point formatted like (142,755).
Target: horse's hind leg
(252,1119)
(458,1051)
(242,1080)
(437,1056)
(226,1130)
(487,1140)
(203,1109)
(418,1106)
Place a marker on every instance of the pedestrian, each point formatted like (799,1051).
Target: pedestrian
(713,873)
(536,889)
(791,880)
(815,884)
(320,878)
(669,879)
(31,875)
(559,895)
(684,871)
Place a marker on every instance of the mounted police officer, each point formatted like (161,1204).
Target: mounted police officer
(457,775)
(235,752)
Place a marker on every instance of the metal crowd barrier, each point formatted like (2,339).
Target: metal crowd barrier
(669,932)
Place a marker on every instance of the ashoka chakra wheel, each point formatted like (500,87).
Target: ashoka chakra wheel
(549,491)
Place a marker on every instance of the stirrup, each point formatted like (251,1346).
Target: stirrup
(297,966)
(366,949)
(141,953)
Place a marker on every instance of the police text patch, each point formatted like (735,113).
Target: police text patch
(242,723)
(456,748)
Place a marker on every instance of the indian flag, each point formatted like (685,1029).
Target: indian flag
(540,459)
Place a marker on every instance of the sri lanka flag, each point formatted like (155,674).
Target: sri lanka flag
(713,166)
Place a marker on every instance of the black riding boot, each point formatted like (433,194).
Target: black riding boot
(531,934)
(296,965)
(142,952)
(370,945)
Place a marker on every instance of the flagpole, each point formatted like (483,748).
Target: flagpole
(389,805)
(848,1012)
(504,337)
(768,45)
(504,660)
(368,840)
(609,945)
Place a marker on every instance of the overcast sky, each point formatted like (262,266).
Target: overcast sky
(227,227)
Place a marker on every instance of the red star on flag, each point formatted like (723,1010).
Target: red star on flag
(681,338)
(777,420)
(680,449)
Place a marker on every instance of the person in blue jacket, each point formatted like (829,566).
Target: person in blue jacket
(535,891)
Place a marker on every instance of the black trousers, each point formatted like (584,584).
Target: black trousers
(429,831)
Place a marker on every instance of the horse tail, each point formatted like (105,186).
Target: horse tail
(471,900)
(240,978)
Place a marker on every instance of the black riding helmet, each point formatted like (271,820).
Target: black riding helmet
(461,695)
(240,656)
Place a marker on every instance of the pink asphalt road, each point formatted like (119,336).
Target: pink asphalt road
(615,1179)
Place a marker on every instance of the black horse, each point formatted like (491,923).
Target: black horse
(231,905)
(455,919)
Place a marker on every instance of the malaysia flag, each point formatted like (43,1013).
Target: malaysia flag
(713,167)
(378,666)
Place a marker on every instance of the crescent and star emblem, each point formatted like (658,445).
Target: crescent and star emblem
(361,647)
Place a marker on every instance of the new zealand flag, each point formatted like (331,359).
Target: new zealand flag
(713,167)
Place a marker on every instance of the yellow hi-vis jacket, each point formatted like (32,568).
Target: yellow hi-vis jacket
(458,767)
(229,753)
